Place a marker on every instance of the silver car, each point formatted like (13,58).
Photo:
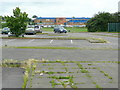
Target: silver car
(30,31)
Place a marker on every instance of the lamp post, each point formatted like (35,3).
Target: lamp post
(73,22)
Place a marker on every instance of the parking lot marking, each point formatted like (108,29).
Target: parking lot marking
(71,41)
(51,41)
(31,41)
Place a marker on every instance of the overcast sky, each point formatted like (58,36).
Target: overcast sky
(59,8)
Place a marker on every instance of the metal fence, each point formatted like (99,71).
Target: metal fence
(113,27)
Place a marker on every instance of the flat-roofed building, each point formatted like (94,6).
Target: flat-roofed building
(61,20)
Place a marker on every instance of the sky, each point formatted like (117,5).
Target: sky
(59,8)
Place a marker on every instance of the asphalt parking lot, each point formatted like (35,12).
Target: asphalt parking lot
(101,52)
(51,42)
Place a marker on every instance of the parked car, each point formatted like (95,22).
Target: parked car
(10,34)
(30,31)
(38,29)
(5,30)
(60,30)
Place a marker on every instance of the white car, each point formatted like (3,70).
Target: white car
(13,35)
(30,31)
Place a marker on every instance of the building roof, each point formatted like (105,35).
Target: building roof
(63,17)
(45,18)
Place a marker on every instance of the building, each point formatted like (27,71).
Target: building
(61,20)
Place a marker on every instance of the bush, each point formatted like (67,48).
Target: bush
(99,23)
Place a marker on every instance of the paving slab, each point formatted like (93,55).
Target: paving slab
(12,77)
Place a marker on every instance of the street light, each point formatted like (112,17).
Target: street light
(73,22)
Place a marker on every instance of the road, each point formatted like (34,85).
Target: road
(101,52)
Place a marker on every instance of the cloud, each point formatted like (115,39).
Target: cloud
(59,8)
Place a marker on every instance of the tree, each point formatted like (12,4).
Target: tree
(99,22)
(34,16)
(116,17)
(2,22)
(18,22)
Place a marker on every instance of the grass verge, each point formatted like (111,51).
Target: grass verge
(72,29)
(48,47)
(51,47)
(117,36)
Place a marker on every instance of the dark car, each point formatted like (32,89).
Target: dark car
(60,30)
(5,30)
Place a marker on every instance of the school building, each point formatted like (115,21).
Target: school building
(61,20)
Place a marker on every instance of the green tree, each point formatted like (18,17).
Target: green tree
(116,17)
(30,21)
(99,22)
(18,22)
(34,16)
(2,22)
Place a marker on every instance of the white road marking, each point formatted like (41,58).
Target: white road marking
(71,41)
(51,41)
(31,41)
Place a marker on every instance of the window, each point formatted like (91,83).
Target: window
(47,19)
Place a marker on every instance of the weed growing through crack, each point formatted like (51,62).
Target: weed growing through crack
(25,77)
(110,82)
(105,74)
(58,61)
(97,86)
(63,84)
(33,67)
(80,66)
(50,72)
(84,71)
(46,64)
(88,75)
(94,82)
(72,84)
(63,63)
(66,69)
(60,77)
(53,83)
(89,64)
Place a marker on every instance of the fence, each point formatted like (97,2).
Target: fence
(113,27)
